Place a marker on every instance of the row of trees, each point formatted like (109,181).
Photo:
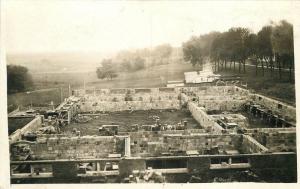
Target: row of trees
(271,47)
(134,64)
(152,56)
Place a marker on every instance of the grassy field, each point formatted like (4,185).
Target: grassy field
(36,98)
(156,76)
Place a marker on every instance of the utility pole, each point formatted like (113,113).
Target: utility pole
(61,97)
(84,85)
(69,90)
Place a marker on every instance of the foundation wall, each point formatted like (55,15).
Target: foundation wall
(145,146)
(250,145)
(31,126)
(128,105)
(223,105)
(277,141)
(215,90)
(77,147)
(200,115)
(287,111)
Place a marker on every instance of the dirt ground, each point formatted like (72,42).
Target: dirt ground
(125,118)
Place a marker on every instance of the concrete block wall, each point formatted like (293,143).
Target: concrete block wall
(277,140)
(200,142)
(223,105)
(215,90)
(249,145)
(31,126)
(77,147)
(206,121)
(145,97)
(127,105)
(144,145)
(95,91)
(287,111)
(161,133)
(125,99)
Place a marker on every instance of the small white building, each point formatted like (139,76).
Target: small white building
(179,83)
(200,77)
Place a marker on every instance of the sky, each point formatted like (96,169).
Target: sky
(103,26)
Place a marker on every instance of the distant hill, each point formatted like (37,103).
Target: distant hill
(58,62)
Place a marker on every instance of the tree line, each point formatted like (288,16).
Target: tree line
(272,47)
(134,60)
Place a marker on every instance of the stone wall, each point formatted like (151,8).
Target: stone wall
(206,121)
(213,90)
(223,105)
(125,99)
(77,147)
(277,107)
(249,145)
(143,145)
(277,140)
(31,126)
(128,105)
(161,133)
(94,91)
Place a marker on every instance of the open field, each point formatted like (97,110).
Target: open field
(140,117)
(36,98)
(156,76)
(150,77)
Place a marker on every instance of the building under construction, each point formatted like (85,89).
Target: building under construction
(142,135)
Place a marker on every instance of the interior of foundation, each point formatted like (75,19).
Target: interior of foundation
(156,135)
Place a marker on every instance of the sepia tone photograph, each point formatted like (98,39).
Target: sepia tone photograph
(150,92)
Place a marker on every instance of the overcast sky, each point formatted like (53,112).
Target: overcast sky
(60,26)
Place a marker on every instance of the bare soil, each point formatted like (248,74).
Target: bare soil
(125,119)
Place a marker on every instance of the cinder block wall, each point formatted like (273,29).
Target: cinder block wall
(277,140)
(223,105)
(144,145)
(31,126)
(77,147)
(206,121)
(275,106)
(249,145)
(125,99)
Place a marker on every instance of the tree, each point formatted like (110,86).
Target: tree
(219,50)
(264,47)
(283,45)
(18,79)
(251,49)
(106,70)
(162,53)
(125,65)
(193,52)
(239,47)
(138,64)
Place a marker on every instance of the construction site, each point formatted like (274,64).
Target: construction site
(183,134)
